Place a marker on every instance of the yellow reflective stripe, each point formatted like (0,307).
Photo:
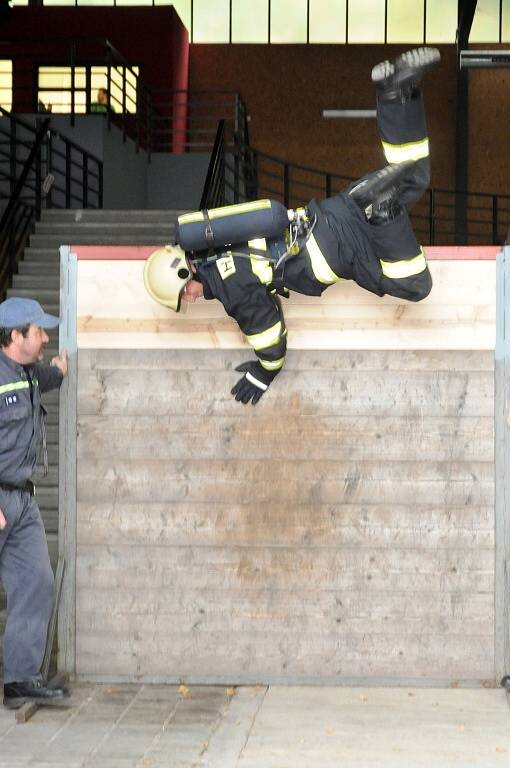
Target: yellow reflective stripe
(405,267)
(399,153)
(233,210)
(266,338)
(321,269)
(226,210)
(14,385)
(188,218)
(262,269)
(272,365)
(259,243)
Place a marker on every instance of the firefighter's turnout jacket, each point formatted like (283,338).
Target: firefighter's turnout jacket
(343,245)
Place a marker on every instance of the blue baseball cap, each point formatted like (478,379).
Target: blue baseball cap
(16,312)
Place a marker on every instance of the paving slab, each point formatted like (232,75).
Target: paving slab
(165,726)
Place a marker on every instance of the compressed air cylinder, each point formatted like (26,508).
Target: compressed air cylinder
(213,228)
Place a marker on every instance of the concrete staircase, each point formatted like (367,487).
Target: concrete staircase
(39,278)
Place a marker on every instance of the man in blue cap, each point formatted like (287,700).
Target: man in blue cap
(25,570)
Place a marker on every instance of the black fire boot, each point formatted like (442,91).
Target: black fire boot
(397,80)
(378,187)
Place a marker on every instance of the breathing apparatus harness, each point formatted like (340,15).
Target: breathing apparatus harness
(213,230)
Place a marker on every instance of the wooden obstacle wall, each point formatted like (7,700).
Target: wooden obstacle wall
(341,530)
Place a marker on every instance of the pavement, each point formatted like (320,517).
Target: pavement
(156,726)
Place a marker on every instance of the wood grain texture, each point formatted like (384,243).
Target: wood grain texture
(342,528)
(459,313)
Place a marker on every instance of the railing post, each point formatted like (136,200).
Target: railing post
(109,84)
(431,216)
(38,177)
(100,182)
(286,185)
(236,168)
(12,246)
(236,114)
(149,126)
(328,185)
(68,175)
(13,154)
(73,80)
(49,168)
(85,181)
(494,220)
(124,113)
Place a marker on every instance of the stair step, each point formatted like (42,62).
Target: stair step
(162,229)
(43,295)
(35,268)
(54,241)
(80,216)
(42,254)
(51,479)
(47,497)
(36,281)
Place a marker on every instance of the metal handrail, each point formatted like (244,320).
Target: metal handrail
(53,172)
(240,173)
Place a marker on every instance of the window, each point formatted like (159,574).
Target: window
(441,21)
(6,84)
(288,21)
(211,22)
(485,22)
(328,21)
(366,21)
(405,22)
(91,87)
(250,21)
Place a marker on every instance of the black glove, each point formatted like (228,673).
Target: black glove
(254,382)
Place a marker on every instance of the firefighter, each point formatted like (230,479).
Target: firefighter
(362,234)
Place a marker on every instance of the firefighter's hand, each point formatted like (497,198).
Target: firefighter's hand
(3,521)
(254,382)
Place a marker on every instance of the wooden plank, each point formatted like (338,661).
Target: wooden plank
(254,566)
(316,361)
(416,394)
(186,523)
(345,317)
(227,481)
(67,464)
(281,656)
(434,438)
(502,469)
(313,605)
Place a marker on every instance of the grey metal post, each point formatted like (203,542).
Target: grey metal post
(502,467)
(67,464)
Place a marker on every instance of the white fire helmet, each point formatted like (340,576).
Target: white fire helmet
(165,274)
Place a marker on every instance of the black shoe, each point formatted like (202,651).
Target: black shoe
(17,694)
(401,77)
(380,186)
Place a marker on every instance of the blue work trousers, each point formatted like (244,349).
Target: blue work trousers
(27,578)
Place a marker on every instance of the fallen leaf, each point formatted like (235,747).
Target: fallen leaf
(362,697)
(184,691)
(462,728)
(231,692)
(501,749)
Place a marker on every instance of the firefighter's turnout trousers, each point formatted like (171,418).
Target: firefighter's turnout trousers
(383,257)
